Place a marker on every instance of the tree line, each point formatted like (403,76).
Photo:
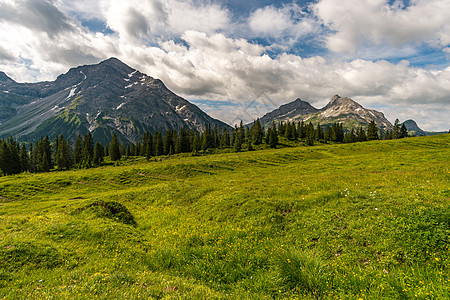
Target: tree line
(45,154)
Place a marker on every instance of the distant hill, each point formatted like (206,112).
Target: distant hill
(106,98)
(339,109)
(414,129)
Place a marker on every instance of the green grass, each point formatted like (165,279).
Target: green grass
(366,220)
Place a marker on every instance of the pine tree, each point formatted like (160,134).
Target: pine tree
(14,150)
(158,144)
(403,131)
(388,135)
(43,155)
(196,143)
(372,131)
(396,130)
(216,136)
(301,130)
(168,145)
(4,158)
(114,151)
(318,134)
(328,134)
(184,141)
(272,136)
(310,134)
(147,145)
(106,151)
(241,131)
(98,154)
(225,139)
(207,138)
(287,131)
(361,135)
(238,141)
(293,130)
(63,157)
(87,152)
(77,151)
(257,132)
(24,159)
(32,164)
(122,149)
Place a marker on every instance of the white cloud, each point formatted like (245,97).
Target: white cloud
(87,9)
(287,22)
(154,19)
(358,21)
(205,63)
(43,50)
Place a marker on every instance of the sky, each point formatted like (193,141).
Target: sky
(239,59)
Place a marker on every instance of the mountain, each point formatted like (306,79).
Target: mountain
(414,129)
(103,99)
(289,111)
(341,110)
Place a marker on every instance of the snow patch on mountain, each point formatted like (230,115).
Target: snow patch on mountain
(130,85)
(72,93)
(120,106)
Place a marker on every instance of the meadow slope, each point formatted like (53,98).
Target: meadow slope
(365,220)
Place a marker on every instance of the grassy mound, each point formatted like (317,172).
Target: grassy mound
(108,209)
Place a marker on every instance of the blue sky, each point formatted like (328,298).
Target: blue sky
(238,59)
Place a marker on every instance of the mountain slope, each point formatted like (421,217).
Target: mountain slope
(415,130)
(341,110)
(103,99)
(288,111)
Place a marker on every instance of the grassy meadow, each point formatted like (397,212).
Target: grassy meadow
(353,221)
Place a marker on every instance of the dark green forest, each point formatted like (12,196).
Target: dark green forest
(58,153)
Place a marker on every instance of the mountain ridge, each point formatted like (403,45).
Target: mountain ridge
(105,98)
(338,110)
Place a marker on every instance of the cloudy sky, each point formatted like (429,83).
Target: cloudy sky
(238,59)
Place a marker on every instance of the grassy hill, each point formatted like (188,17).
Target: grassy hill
(366,220)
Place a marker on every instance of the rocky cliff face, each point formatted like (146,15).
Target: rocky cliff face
(103,99)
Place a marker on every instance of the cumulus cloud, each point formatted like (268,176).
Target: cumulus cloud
(35,14)
(287,22)
(355,22)
(164,18)
(189,46)
(86,9)
(43,48)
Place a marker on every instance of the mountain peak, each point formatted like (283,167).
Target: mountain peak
(113,61)
(335,97)
(104,98)
(413,128)
(289,111)
(4,77)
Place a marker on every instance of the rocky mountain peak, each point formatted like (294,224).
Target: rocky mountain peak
(338,110)
(289,111)
(342,103)
(335,97)
(5,78)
